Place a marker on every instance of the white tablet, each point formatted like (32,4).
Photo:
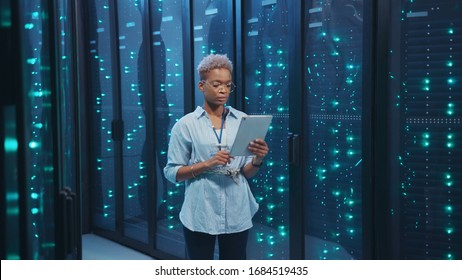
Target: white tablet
(251,127)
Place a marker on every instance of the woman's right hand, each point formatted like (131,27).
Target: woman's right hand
(222,157)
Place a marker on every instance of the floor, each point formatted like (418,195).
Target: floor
(95,247)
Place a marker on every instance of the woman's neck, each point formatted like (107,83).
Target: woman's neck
(214,111)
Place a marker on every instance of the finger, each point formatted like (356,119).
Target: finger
(259,141)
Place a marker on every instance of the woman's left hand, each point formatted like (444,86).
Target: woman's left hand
(259,148)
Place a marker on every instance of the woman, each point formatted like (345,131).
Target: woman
(218,202)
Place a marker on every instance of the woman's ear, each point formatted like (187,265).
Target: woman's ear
(200,85)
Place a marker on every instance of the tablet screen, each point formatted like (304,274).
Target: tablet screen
(250,128)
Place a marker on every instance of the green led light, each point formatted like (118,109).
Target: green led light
(282,230)
(5,18)
(48,245)
(37,93)
(12,211)
(12,196)
(31,61)
(425,143)
(34,144)
(10,145)
(270,206)
(281,178)
(320,174)
(448,209)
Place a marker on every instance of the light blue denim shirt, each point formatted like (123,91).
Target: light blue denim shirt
(213,203)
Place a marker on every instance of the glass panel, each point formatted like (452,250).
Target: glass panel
(266,70)
(212,33)
(101,88)
(167,39)
(135,121)
(38,137)
(67,101)
(9,137)
(425,83)
(333,189)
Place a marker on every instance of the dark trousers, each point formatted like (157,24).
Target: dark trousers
(201,246)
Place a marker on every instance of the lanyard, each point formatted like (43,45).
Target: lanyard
(221,131)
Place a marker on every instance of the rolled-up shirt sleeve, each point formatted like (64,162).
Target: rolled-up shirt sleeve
(179,151)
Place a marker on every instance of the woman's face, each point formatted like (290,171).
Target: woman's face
(217,87)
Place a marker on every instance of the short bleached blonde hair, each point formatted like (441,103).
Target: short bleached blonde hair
(213,61)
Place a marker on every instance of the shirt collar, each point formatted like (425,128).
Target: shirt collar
(200,112)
